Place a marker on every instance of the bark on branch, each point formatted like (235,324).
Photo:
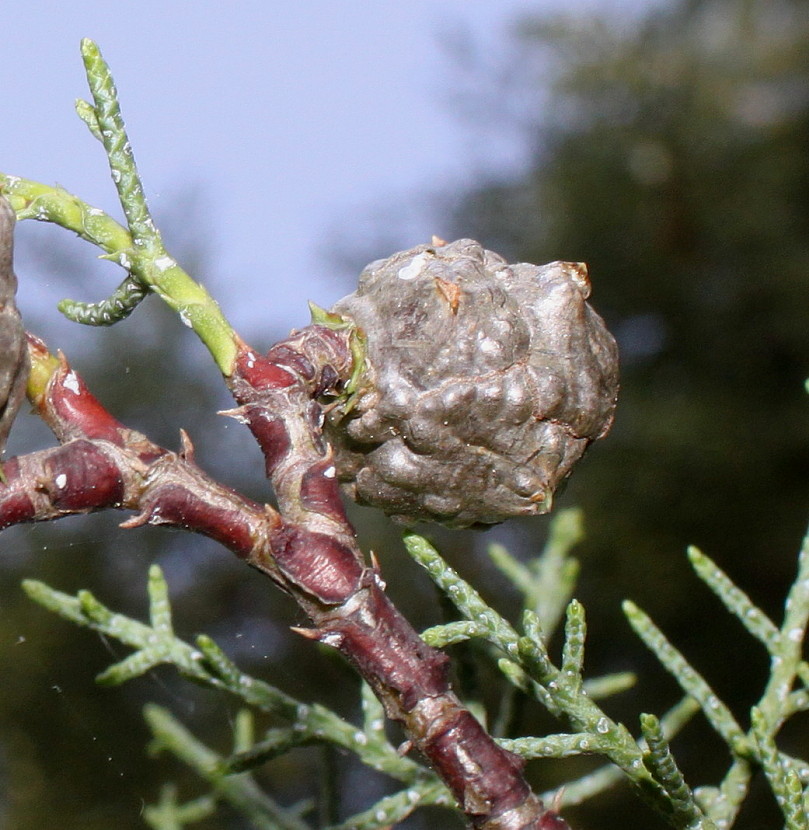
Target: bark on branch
(307,547)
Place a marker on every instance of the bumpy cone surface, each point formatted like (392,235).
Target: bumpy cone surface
(487,382)
(14,365)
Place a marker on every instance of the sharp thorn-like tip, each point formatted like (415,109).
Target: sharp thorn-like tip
(35,342)
(438,242)
(135,521)
(404,748)
(238,413)
(308,633)
(186,447)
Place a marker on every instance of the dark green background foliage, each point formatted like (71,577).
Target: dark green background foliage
(674,159)
(672,156)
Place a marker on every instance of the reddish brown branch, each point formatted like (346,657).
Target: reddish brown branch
(409,677)
(309,548)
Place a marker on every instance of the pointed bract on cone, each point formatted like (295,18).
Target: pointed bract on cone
(14,364)
(486,382)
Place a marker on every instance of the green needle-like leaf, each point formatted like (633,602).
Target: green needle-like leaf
(537,663)
(573,650)
(170,814)
(135,665)
(32,200)
(784,782)
(795,802)
(241,791)
(722,804)
(154,269)
(584,788)
(118,306)
(517,573)
(244,730)
(140,250)
(660,762)
(87,113)
(555,571)
(110,125)
(547,581)
(274,743)
(159,606)
(739,603)
(719,716)
(393,809)
(465,598)
(373,712)
(223,667)
(440,636)
(556,746)
(786,660)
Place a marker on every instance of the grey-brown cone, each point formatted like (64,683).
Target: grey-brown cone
(14,364)
(487,383)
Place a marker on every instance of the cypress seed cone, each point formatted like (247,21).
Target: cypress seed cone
(486,384)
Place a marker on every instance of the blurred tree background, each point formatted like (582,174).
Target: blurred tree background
(673,157)
(671,153)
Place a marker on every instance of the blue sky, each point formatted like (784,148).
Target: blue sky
(294,122)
